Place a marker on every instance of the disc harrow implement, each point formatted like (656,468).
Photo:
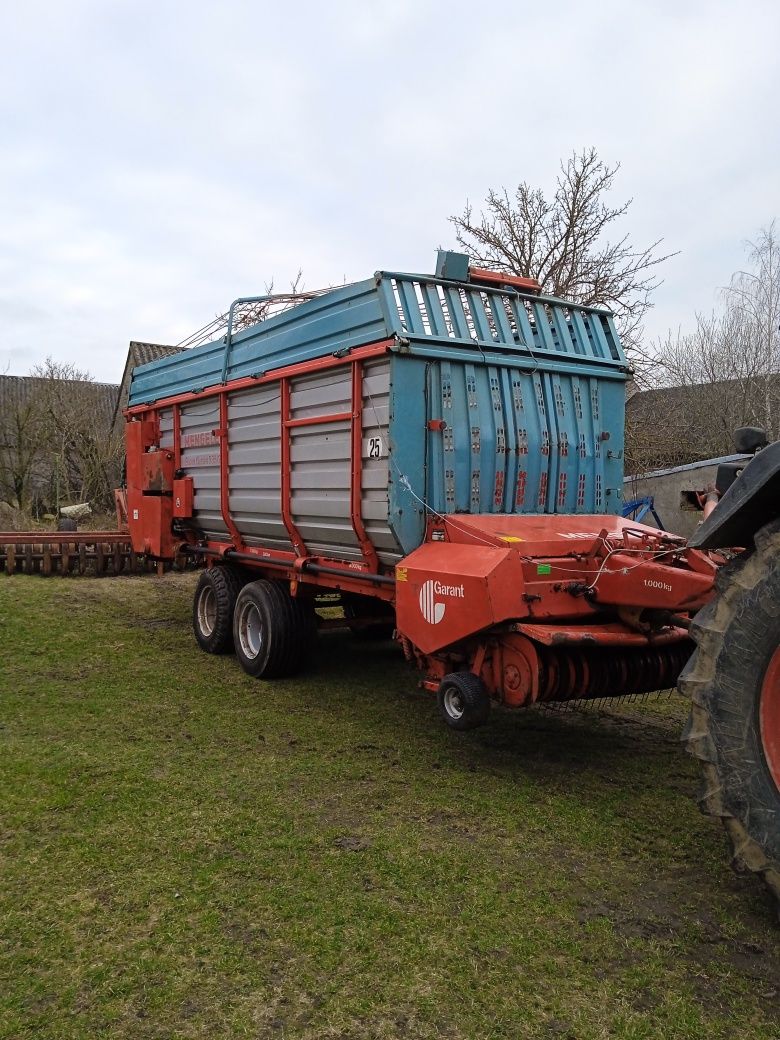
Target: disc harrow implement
(93,553)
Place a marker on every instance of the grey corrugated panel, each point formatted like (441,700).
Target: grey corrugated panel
(255,401)
(374,477)
(325,479)
(311,397)
(321,457)
(262,496)
(319,486)
(255,454)
(330,508)
(206,477)
(256,475)
(265,538)
(166,428)
(202,462)
(322,520)
(250,429)
(329,449)
(376,411)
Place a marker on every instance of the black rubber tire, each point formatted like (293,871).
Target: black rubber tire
(464,702)
(736,635)
(67,523)
(356,608)
(273,632)
(213,605)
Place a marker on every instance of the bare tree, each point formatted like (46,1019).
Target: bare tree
(83,452)
(755,295)
(21,450)
(561,242)
(723,374)
(715,381)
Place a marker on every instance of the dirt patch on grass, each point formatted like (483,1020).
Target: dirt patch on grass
(660,910)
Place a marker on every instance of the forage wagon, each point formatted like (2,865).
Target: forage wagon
(445,453)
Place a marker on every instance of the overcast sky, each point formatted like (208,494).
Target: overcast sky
(159,159)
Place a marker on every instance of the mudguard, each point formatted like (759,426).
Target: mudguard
(752,501)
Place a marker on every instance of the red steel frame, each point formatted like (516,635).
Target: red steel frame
(177,437)
(286,489)
(224,472)
(59,537)
(365,577)
(366,545)
(546,655)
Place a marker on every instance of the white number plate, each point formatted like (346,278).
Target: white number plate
(374,448)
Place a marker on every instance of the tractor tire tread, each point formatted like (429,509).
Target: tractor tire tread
(698,681)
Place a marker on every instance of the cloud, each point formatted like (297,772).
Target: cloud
(161,159)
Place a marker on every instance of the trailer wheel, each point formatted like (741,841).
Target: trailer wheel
(463,700)
(212,608)
(733,681)
(273,632)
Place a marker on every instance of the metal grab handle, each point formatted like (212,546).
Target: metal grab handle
(228,339)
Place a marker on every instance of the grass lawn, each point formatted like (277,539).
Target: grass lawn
(187,852)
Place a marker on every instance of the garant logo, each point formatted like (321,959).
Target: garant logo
(432,608)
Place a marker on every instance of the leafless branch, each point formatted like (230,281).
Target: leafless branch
(561,242)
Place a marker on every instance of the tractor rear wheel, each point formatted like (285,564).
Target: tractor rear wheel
(212,608)
(273,632)
(733,681)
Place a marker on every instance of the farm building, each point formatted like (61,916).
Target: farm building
(138,354)
(677,425)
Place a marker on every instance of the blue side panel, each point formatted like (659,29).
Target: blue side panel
(419,308)
(407,475)
(420,311)
(190,370)
(499,401)
(338,319)
(509,440)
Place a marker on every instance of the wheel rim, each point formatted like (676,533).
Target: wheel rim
(207,610)
(453,703)
(250,631)
(769,716)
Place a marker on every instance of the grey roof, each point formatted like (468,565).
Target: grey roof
(661,401)
(677,425)
(700,464)
(18,390)
(137,354)
(143,353)
(653,404)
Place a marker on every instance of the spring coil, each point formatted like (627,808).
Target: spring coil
(570,673)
